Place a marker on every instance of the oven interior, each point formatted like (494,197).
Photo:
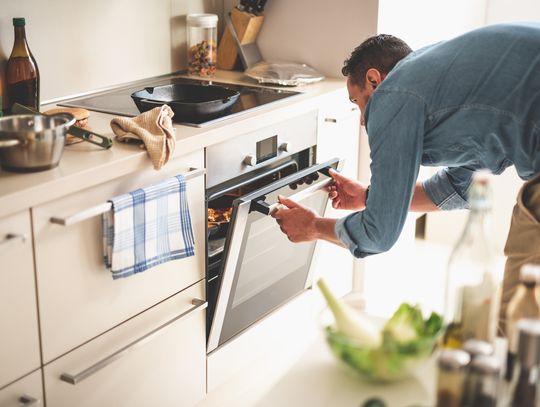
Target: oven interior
(219,200)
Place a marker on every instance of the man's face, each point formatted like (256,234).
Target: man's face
(359,95)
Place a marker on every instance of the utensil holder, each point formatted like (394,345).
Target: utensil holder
(247,28)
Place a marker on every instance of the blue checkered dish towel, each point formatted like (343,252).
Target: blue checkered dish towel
(147,227)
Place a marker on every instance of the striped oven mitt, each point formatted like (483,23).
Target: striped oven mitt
(147,227)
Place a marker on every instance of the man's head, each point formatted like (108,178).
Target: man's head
(369,64)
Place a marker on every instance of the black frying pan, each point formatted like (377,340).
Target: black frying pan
(187,101)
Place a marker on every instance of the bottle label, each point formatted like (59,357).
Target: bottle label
(25,93)
(479,306)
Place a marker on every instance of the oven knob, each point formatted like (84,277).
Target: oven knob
(285,147)
(250,161)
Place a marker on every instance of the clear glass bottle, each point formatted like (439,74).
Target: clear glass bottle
(524,390)
(472,284)
(482,383)
(452,371)
(202,44)
(22,73)
(522,305)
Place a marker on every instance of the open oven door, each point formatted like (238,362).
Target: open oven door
(262,269)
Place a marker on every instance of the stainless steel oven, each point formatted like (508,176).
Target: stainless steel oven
(252,268)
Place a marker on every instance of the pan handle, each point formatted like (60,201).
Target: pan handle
(91,137)
(9,143)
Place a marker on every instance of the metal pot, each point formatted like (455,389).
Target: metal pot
(31,143)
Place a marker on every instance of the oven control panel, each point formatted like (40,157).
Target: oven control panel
(231,158)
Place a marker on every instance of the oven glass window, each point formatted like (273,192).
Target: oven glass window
(270,269)
(269,256)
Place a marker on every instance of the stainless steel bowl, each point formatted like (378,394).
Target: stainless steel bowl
(31,143)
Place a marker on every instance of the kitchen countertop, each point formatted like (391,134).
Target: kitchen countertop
(315,378)
(84,165)
(318,380)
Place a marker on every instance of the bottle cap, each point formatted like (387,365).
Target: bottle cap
(529,273)
(480,190)
(486,365)
(475,347)
(202,20)
(528,342)
(453,359)
(19,22)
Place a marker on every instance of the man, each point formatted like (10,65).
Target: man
(469,103)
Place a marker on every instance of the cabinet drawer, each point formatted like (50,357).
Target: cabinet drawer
(157,358)
(78,299)
(19,338)
(27,391)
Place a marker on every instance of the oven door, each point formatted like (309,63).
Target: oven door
(262,269)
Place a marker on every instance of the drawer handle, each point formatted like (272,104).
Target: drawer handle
(28,401)
(335,120)
(105,207)
(13,237)
(76,378)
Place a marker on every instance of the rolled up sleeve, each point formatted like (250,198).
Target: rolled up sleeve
(448,188)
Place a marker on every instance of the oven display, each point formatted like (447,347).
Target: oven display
(266,149)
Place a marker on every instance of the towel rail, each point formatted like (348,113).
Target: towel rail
(106,206)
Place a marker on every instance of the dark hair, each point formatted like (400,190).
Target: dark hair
(381,52)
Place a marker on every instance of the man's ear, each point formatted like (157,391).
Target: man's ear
(374,77)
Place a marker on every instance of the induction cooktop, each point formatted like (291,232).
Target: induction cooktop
(119,102)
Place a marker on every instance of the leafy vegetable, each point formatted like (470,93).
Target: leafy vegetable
(407,323)
(388,354)
(349,322)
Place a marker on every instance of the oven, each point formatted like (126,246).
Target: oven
(252,268)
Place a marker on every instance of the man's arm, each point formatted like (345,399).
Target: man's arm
(420,201)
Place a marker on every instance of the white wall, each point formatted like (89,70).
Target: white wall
(422,22)
(316,32)
(499,11)
(85,45)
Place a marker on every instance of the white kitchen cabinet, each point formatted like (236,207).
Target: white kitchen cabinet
(27,391)
(78,299)
(19,338)
(157,358)
(338,136)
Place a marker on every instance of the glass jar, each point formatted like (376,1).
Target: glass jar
(452,371)
(482,383)
(522,305)
(202,44)
(525,386)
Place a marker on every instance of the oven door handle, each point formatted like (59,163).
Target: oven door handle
(261,206)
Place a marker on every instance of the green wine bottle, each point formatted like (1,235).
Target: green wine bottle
(22,73)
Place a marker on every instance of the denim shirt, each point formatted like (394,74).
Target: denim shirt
(465,104)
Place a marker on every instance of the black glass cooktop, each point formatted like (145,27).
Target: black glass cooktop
(119,101)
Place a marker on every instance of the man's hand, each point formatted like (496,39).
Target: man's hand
(296,221)
(346,193)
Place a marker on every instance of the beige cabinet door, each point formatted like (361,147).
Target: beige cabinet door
(78,299)
(339,133)
(27,391)
(19,338)
(157,358)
